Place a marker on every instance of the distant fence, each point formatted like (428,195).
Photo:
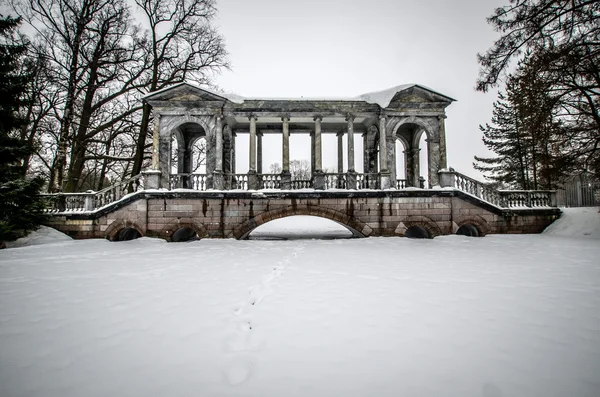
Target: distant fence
(581,191)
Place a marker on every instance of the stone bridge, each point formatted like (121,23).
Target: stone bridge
(182,214)
(174,201)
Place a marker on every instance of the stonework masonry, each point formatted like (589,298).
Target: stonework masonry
(236,214)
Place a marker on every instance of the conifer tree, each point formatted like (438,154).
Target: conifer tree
(21,208)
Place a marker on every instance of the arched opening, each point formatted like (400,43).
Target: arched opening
(424,160)
(414,154)
(188,158)
(417,232)
(301,227)
(184,234)
(400,156)
(468,230)
(126,234)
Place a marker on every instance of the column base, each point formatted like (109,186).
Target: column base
(385,181)
(253,180)
(218,181)
(319,180)
(351,183)
(151,179)
(286,180)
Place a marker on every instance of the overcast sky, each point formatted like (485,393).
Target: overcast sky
(341,48)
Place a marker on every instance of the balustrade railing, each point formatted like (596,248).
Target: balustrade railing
(400,183)
(500,198)
(239,181)
(188,181)
(90,200)
(528,198)
(335,181)
(270,181)
(367,181)
(301,184)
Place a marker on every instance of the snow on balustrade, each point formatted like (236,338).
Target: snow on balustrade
(335,181)
(367,181)
(90,200)
(239,182)
(270,181)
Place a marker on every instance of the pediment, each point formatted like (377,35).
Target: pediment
(183,92)
(418,94)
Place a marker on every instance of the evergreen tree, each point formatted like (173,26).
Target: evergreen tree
(506,137)
(21,208)
(525,136)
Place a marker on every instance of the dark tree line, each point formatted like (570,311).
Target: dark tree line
(546,123)
(91,61)
(21,208)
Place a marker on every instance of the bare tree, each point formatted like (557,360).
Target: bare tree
(182,44)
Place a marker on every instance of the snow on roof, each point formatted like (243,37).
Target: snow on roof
(381,98)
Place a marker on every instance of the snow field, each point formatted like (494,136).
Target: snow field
(452,316)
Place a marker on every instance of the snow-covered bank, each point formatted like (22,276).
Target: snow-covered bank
(577,222)
(453,316)
(43,235)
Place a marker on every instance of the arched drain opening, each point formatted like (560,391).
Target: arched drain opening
(468,230)
(416,232)
(126,234)
(184,234)
(301,227)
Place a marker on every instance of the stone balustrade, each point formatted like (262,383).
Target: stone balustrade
(514,199)
(90,201)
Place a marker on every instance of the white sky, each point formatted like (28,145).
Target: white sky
(341,48)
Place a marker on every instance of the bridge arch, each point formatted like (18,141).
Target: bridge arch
(356,227)
(419,221)
(113,231)
(170,230)
(468,223)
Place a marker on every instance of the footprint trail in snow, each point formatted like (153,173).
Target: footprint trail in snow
(241,340)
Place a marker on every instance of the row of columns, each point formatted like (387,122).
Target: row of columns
(411,156)
(255,155)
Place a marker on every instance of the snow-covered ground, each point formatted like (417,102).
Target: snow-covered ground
(453,316)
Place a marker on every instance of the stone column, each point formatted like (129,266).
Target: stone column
(217,182)
(312,152)
(411,161)
(318,177)
(233,135)
(443,155)
(180,159)
(286,176)
(156,143)
(433,152)
(340,152)
(350,121)
(252,155)
(259,152)
(219,142)
(253,183)
(384,173)
(366,168)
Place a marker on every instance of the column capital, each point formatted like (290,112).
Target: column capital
(253,116)
(259,133)
(350,117)
(285,117)
(318,117)
(382,116)
(340,133)
(442,117)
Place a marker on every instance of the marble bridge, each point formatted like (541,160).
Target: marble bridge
(173,202)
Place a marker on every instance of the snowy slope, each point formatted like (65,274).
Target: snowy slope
(453,316)
(43,235)
(577,222)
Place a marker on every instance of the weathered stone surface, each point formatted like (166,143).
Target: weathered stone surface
(236,214)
